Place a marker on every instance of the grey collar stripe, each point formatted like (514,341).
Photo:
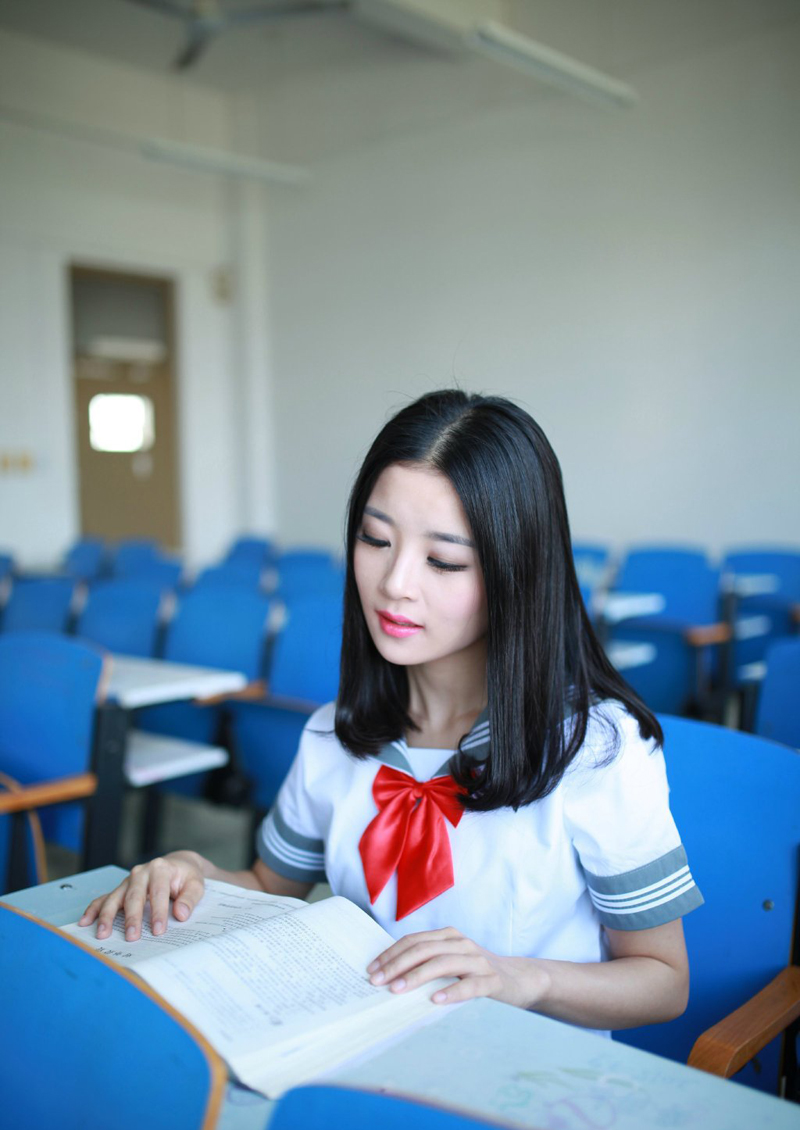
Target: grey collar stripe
(394,753)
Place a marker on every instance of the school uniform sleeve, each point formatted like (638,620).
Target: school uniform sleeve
(290,839)
(617,815)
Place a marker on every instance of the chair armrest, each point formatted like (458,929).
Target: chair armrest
(295,705)
(704,634)
(730,1044)
(253,692)
(57,791)
(696,635)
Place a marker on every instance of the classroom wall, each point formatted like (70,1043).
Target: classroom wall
(631,277)
(66,199)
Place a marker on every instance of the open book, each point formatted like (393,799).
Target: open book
(278,986)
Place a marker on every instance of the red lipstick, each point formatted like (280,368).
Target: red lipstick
(397,626)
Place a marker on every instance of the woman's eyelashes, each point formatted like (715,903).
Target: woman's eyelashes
(368,539)
(434,562)
(445,566)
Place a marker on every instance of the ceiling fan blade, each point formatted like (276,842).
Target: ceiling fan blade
(281,11)
(198,41)
(176,11)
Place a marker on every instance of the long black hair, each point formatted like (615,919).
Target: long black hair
(544,662)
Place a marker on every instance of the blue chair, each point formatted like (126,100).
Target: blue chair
(683,633)
(160,573)
(49,688)
(132,555)
(211,628)
(39,604)
(778,711)
(303,674)
(308,572)
(762,611)
(322,1107)
(6,565)
(736,801)
(237,575)
(86,559)
(122,616)
(250,551)
(74,1027)
(592,563)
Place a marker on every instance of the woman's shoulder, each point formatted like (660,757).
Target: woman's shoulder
(321,721)
(613,737)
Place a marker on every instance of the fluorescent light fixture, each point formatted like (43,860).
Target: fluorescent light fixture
(196,157)
(217,161)
(516,50)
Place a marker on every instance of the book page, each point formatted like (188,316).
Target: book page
(222,909)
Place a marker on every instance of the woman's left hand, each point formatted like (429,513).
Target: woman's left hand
(420,958)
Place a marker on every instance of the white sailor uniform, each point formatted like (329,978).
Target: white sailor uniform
(600,849)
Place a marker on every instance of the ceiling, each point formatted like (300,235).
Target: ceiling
(616,35)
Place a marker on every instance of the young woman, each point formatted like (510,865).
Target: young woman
(486,785)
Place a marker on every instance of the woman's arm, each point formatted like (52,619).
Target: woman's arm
(178,878)
(646,980)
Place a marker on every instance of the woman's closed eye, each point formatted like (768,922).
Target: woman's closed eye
(368,539)
(445,566)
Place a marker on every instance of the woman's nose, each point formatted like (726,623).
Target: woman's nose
(398,581)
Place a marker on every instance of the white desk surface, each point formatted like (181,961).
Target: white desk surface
(625,656)
(501,1063)
(150,758)
(614,607)
(135,682)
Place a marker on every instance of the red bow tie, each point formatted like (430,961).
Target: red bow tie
(409,835)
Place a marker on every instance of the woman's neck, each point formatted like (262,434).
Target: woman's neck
(446,697)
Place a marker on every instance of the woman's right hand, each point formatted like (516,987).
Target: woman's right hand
(177,877)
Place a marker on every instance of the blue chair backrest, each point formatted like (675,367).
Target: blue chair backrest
(308,573)
(684,577)
(216,628)
(39,604)
(782,565)
(132,555)
(122,616)
(736,801)
(48,692)
(778,711)
(73,1028)
(591,563)
(159,573)
(306,652)
(763,617)
(322,1107)
(250,550)
(85,560)
(237,575)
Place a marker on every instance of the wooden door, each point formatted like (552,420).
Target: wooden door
(131,492)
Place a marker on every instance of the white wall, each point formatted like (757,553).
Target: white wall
(632,278)
(65,200)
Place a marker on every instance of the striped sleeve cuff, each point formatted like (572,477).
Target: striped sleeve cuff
(651,895)
(287,852)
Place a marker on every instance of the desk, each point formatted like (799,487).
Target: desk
(625,656)
(138,682)
(501,1063)
(123,755)
(614,607)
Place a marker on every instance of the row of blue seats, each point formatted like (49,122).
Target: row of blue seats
(715,624)
(250,562)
